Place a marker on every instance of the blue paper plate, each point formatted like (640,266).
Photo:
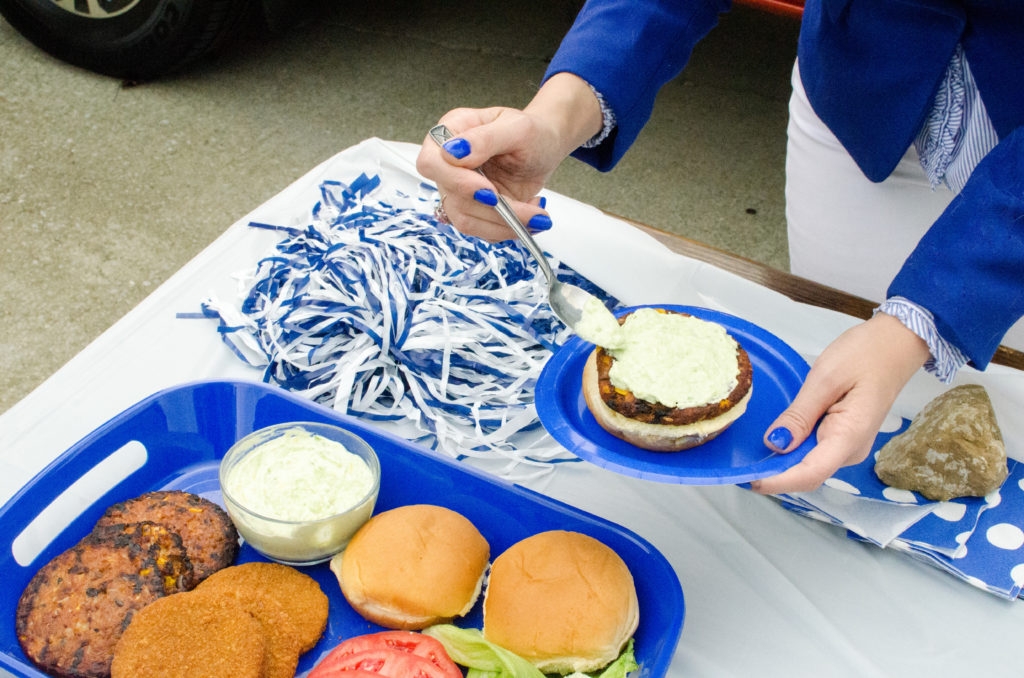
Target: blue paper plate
(737,455)
(183,432)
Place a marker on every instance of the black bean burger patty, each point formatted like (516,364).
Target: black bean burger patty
(206,529)
(76,607)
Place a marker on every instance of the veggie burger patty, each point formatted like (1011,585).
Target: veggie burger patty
(206,530)
(76,607)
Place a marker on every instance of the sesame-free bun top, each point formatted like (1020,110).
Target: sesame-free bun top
(413,566)
(562,600)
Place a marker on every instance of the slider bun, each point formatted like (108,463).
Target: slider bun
(655,437)
(413,566)
(562,600)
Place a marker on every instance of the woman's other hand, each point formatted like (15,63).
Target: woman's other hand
(853,384)
(517,150)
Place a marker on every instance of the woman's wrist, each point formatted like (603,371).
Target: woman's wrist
(907,351)
(568,105)
(945,359)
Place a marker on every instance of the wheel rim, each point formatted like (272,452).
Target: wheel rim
(96,9)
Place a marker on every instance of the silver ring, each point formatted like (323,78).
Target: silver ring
(439,212)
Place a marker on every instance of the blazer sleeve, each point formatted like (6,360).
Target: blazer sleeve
(968,269)
(627,50)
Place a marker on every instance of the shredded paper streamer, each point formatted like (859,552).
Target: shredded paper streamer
(378,310)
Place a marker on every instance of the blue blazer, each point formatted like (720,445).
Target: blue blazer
(870,69)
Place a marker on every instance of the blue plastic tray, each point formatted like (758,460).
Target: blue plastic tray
(187,429)
(737,455)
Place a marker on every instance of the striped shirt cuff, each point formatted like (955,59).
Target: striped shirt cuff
(608,116)
(946,359)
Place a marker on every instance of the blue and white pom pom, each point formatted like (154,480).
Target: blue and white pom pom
(378,310)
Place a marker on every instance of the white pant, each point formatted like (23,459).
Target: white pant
(844,230)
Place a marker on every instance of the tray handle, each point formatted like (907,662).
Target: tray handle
(90,470)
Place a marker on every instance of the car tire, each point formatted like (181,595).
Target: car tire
(135,40)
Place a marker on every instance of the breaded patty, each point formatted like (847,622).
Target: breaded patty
(299,594)
(205,528)
(183,636)
(283,641)
(75,608)
(627,404)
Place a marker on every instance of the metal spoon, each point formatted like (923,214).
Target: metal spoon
(567,301)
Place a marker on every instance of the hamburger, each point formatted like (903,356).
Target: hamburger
(413,566)
(667,381)
(562,600)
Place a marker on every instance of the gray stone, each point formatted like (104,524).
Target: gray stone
(952,448)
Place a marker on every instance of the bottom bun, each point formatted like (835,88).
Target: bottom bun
(655,437)
(562,600)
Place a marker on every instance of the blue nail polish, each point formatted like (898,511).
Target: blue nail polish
(780,437)
(543,202)
(486,196)
(457,147)
(539,223)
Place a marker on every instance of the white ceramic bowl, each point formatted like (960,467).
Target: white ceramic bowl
(296,541)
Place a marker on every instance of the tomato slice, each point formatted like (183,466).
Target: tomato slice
(403,642)
(382,662)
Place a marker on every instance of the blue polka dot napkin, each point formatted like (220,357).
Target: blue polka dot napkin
(977,539)
(991,555)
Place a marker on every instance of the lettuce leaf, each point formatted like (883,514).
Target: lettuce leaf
(621,667)
(484,659)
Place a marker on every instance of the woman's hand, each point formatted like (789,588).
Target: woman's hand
(517,150)
(853,384)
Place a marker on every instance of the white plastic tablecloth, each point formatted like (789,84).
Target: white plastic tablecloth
(767,593)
